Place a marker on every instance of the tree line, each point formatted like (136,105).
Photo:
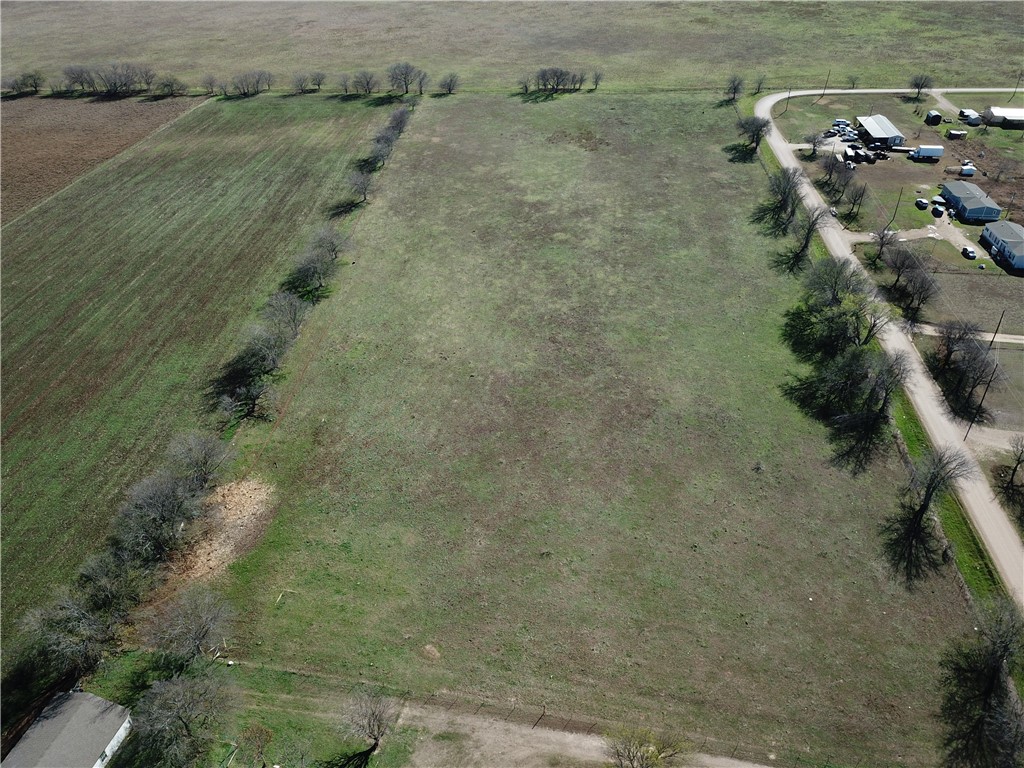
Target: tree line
(851,386)
(123,79)
(552,80)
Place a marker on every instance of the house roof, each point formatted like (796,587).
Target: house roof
(1010,233)
(879,126)
(71,732)
(969,195)
(1007,113)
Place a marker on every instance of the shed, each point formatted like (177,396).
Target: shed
(1004,117)
(956,134)
(970,202)
(1006,242)
(878,128)
(75,730)
(933,118)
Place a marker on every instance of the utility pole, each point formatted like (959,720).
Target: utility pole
(826,85)
(993,339)
(787,100)
(894,210)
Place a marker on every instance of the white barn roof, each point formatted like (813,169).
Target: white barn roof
(1006,113)
(879,126)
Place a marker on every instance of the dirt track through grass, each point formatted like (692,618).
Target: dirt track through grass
(543,434)
(123,293)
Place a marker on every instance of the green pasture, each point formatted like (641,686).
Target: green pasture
(534,450)
(123,293)
(660,45)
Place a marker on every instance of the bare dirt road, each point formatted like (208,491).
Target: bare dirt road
(988,517)
(465,741)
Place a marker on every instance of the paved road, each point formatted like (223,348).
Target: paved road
(990,520)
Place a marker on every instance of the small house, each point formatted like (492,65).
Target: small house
(1003,117)
(933,118)
(1005,241)
(75,730)
(970,202)
(877,129)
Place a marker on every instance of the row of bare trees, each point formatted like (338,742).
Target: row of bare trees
(401,77)
(552,80)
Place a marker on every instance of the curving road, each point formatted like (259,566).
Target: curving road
(990,520)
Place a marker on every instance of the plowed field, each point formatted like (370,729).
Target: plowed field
(48,143)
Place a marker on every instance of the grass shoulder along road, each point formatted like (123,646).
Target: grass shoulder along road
(125,291)
(540,449)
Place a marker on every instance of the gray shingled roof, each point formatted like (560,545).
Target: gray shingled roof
(1010,233)
(71,732)
(971,196)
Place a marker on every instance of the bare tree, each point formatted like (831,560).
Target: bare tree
(330,240)
(806,230)
(365,82)
(300,82)
(885,239)
(597,78)
(313,269)
(754,128)
(403,76)
(149,523)
(852,80)
(177,719)
(317,78)
(422,82)
(193,624)
(784,193)
(208,84)
(169,85)
(343,83)
(920,82)
(642,748)
(79,77)
(147,76)
(26,81)
(523,84)
(734,87)
(361,183)
(109,586)
(981,714)
(901,260)
(855,195)
(814,142)
(253,742)
(70,637)
(830,281)
(830,163)
(954,335)
(1017,456)
(196,458)
(759,83)
(449,83)
(919,288)
(284,313)
(911,538)
(372,716)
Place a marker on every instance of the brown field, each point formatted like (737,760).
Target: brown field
(47,143)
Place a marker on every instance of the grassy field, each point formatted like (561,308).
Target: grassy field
(537,452)
(122,294)
(664,45)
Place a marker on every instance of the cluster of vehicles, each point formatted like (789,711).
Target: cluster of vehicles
(855,152)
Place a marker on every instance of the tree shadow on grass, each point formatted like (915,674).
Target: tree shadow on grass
(740,152)
(343,208)
(791,261)
(440,95)
(16,96)
(365,164)
(533,97)
(384,100)
(360,759)
(345,97)
(1011,493)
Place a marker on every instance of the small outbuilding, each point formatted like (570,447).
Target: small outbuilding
(933,118)
(956,134)
(970,202)
(878,129)
(75,730)
(1005,241)
(1004,117)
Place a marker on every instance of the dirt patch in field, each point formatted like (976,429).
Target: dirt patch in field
(47,143)
(237,516)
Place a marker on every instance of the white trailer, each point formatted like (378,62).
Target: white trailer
(927,152)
